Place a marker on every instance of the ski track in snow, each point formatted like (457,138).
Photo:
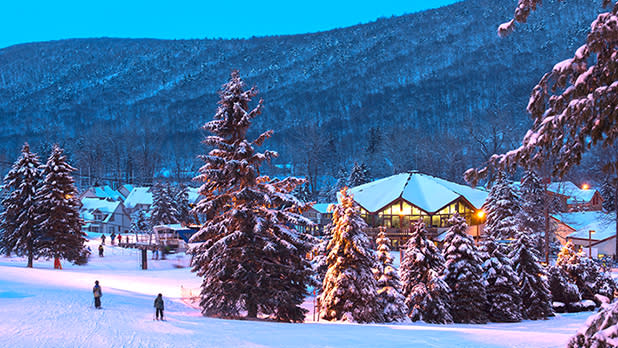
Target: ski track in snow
(43,307)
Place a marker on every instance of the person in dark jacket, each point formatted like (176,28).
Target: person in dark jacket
(100,250)
(96,291)
(158,304)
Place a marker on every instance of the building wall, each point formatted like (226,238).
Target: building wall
(562,231)
(607,247)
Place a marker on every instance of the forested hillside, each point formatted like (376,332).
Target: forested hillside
(436,91)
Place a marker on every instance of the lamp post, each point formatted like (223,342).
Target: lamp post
(480,215)
(590,232)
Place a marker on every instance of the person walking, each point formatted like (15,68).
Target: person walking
(158,305)
(103,239)
(119,239)
(113,236)
(100,250)
(96,291)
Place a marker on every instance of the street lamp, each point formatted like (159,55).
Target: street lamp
(480,215)
(585,187)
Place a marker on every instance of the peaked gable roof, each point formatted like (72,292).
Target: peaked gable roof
(424,191)
(572,191)
(139,195)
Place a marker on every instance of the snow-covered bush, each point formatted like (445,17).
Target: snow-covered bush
(600,331)
(503,298)
(389,285)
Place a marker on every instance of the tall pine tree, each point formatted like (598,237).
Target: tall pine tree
(18,221)
(163,209)
(533,286)
(503,298)
(427,295)
(533,200)
(249,256)
(502,209)
(389,285)
(349,290)
(358,175)
(608,192)
(181,205)
(464,274)
(58,217)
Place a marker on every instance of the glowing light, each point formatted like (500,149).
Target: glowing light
(480,214)
(68,196)
(585,187)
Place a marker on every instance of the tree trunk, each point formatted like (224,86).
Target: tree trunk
(251,308)
(30,254)
(616,214)
(546,215)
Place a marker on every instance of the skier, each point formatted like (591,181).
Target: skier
(119,239)
(113,236)
(96,291)
(100,250)
(158,304)
(155,253)
(103,239)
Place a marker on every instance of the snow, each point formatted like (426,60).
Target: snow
(603,224)
(575,194)
(321,208)
(43,307)
(104,206)
(139,195)
(424,191)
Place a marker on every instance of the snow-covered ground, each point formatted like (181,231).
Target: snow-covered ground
(43,307)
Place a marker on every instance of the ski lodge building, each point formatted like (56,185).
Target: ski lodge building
(397,201)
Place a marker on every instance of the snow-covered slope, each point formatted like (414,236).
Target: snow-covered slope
(43,307)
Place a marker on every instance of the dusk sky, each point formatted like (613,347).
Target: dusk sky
(43,20)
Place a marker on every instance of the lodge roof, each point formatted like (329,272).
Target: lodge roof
(424,191)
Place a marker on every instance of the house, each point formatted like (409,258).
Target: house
(125,190)
(319,214)
(396,201)
(103,192)
(140,198)
(594,231)
(574,198)
(104,215)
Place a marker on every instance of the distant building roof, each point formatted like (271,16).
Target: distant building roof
(105,206)
(424,191)
(569,189)
(139,195)
(603,224)
(322,208)
(194,195)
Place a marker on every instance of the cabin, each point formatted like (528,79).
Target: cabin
(319,214)
(395,202)
(104,216)
(574,198)
(140,198)
(103,192)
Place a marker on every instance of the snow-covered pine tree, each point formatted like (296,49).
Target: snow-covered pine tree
(139,222)
(181,205)
(608,192)
(586,274)
(18,221)
(502,208)
(464,274)
(503,298)
(249,255)
(600,331)
(533,287)
(163,210)
(561,288)
(58,217)
(532,202)
(358,175)
(320,250)
(427,295)
(389,286)
(349,290)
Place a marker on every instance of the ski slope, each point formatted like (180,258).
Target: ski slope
(43,307)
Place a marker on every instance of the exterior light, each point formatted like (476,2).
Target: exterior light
(68,196)
(585,187)
(480,214)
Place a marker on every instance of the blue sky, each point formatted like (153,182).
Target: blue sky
(42,20)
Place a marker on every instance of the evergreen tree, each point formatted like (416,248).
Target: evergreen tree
(561,288)
(139,222)
(389,293)
(302,193)
(359,175)
(163,210)
(533,201)
(502,209)
(426,293)
(608,192)
(464,274)
(349,290)
(533,287)
(18,221)
(181,206)
(320,250)
(58,217)
(249,256)
(600,330)
(503,298)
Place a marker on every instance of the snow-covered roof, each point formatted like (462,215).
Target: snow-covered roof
(105,206)
(424,191)
(139,195)
(107,192)
(569,189)
(603,224)
(321,208)
(194,195)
